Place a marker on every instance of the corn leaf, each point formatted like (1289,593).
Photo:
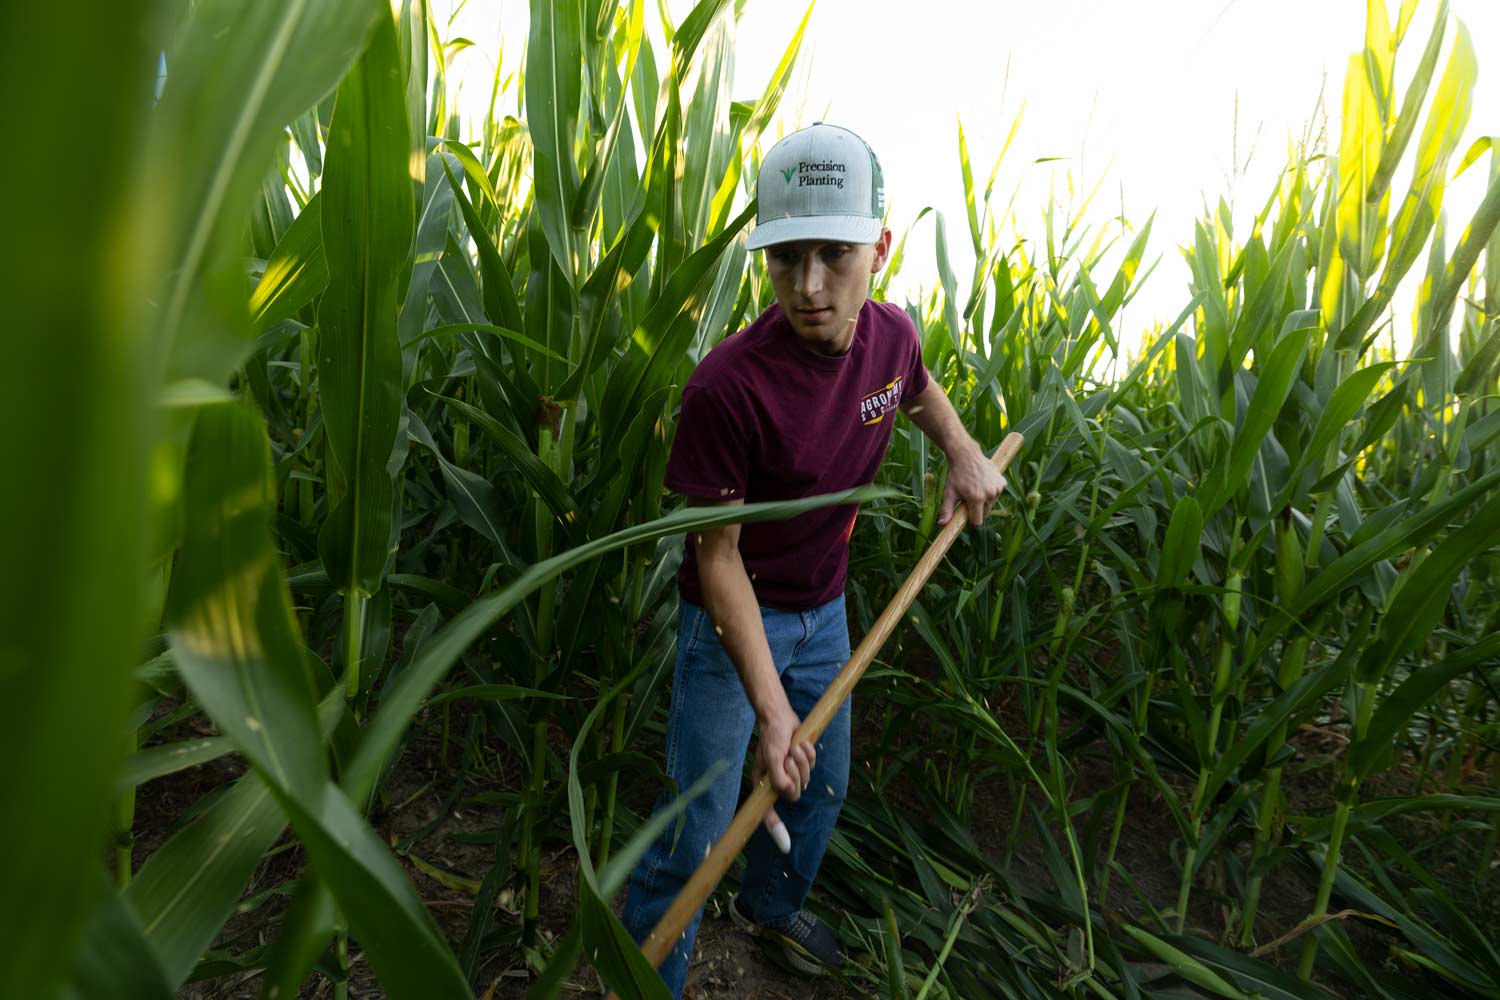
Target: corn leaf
(223,109)
(407,695)
(295,273)
(711,137)
(1414,694)
(367,235)
(1485,223)
(1411,107)
(1417,606)
(74,509)
(169,758)
(760,118)
(1260,979)
(304,933)
(554,87)
(1446,120)
(1185,965)
(236,649)
(473,497)
(115,962)
(663,333)
(1271,392)
(1359,223)
(191,885)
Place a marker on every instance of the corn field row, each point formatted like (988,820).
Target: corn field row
(342,432)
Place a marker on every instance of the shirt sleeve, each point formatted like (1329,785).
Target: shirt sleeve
(710,455)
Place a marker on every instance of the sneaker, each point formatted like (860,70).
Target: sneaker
(809,945)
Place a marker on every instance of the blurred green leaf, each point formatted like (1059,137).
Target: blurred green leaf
(79,380)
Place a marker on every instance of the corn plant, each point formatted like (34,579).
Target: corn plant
(340,281)
(378,416)
(1242,505)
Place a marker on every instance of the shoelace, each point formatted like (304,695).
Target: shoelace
(801,928)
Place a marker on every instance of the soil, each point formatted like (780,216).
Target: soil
(1150,845)
(728,965)
(727,962)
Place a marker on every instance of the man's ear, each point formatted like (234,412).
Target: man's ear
(882,251)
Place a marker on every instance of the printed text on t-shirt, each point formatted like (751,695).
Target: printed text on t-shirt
(874,407)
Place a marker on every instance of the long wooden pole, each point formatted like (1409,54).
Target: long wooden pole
(673,923)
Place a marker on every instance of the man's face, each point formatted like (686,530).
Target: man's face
(822,285)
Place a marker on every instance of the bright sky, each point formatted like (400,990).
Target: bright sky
(1142,95)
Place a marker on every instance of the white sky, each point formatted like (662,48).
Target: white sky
(1142,95)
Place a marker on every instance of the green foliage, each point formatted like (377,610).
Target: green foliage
(1267,517)
(1265,523)
(77,601)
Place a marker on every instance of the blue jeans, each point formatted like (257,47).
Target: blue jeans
(711,720)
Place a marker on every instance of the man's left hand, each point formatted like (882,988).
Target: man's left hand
(973,479)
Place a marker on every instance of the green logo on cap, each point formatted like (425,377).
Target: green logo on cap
(789,173)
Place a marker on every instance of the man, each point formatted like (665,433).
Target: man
(800,402)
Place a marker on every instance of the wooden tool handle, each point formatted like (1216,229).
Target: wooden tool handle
(673,923)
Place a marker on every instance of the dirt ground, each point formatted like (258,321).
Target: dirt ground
(728,965)
(727,962)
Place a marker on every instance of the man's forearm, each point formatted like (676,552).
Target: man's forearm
(972,479)
(732,608)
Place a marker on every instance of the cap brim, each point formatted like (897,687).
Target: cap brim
(833,228)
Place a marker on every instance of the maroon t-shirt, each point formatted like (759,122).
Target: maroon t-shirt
(765,418)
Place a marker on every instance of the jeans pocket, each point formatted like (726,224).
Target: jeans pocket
(690,627)
(690,619)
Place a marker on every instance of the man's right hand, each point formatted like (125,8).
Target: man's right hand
(789,764)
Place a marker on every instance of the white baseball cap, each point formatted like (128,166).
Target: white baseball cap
(820,183)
